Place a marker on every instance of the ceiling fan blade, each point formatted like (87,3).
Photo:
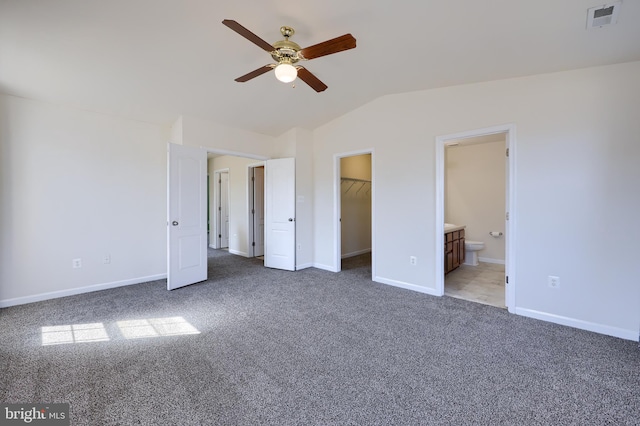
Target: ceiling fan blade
(311,80)
(254,73)
(248,35)
(328,47)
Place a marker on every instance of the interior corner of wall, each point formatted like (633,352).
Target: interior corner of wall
(284,145)
(176,131)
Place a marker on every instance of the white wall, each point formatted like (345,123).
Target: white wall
(355,205)
(72,182)
(576,187)
(75,184)
(238,199)
(475,194)
(223,139)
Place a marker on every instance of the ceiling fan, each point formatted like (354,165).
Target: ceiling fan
(287,53)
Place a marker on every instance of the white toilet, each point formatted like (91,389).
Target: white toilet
(471,249)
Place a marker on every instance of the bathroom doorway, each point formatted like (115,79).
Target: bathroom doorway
(475,216)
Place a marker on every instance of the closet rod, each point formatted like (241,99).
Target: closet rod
(354,179)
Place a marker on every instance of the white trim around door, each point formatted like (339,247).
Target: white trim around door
(510,171)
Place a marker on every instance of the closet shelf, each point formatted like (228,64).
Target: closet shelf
(348,179)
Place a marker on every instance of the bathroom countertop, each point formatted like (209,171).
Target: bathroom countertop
(448,227)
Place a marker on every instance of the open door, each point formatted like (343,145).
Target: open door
(280,214)
(186,216)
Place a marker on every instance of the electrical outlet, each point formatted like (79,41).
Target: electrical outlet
(413,260)
(76,263)
(106,259)
(554,282)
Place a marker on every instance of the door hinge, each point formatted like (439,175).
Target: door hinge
(507,152)
(507,279)
(219,208)
(253,211)
(507,216)
(253,179)
(253,244)
(219,235)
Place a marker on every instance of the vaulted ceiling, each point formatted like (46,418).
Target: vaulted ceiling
(155,60)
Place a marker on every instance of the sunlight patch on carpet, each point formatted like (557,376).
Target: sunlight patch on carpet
(74,333)
(156,327)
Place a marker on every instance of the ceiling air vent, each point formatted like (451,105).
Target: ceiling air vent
(600,16)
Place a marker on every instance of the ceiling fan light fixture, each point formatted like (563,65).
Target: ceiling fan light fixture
(285,72)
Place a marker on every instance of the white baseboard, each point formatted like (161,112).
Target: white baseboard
(239,253)
(304,266)
(580,324)
(356,253)
(78,290)
(489,260)
(408,286)
(325,267)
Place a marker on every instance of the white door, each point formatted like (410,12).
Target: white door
(223,210)
(187,216)
(258,211)
(280,214)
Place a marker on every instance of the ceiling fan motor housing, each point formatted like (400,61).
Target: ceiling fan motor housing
(286,49)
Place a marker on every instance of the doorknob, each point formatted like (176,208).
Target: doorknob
(174,223)
(290,219)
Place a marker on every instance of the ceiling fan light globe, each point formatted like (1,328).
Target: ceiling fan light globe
(286,73)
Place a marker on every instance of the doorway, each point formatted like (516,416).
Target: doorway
(187,212)
(474,197)
(256,210)
(480,198)
(266,188)
(221,234)
(354,210)
(238,193)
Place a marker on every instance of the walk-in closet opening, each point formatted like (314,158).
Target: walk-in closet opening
(355,211)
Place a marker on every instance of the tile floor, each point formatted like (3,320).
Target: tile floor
(483,284)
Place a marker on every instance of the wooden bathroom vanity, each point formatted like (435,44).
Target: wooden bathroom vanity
(453,247)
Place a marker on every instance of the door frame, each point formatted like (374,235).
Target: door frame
(250,222)
(510,206)
(337,208)
(216,202)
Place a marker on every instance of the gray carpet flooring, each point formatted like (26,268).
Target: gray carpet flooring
(305,348)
